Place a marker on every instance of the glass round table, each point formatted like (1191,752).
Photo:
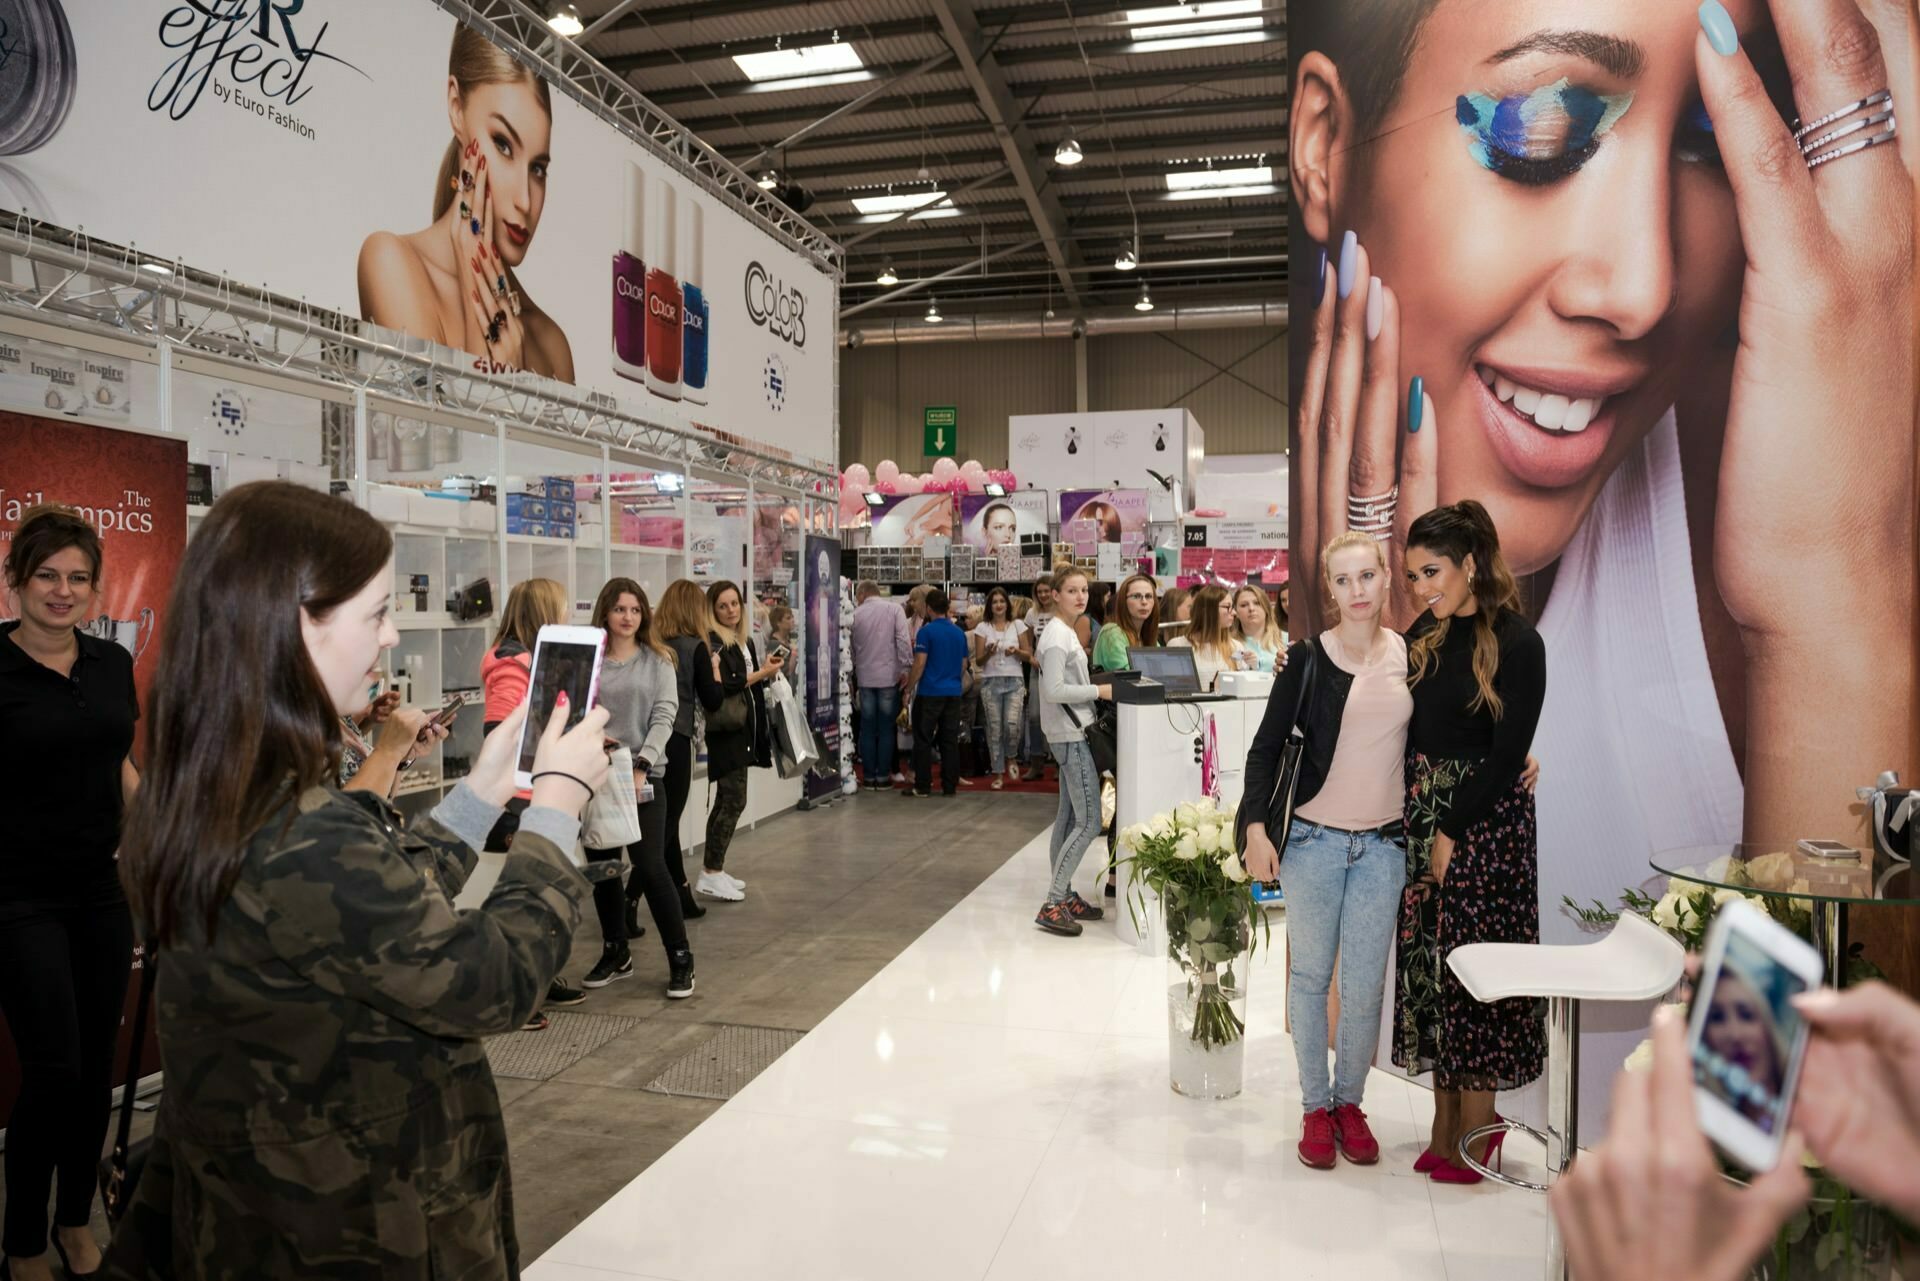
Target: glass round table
(1830,886)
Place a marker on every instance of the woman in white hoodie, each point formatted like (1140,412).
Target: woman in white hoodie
(1067,706)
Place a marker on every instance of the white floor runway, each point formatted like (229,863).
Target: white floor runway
(994,1105)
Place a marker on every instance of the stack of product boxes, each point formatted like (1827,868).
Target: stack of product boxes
(543,507)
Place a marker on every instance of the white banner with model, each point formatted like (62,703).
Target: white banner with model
(377,158)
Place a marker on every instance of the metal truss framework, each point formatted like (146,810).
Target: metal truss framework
(517,27)
(88,288)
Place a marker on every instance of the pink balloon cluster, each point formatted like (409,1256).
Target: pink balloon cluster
(947,477)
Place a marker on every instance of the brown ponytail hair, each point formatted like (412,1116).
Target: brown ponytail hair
(475,61)
(1459,531)
(239,720)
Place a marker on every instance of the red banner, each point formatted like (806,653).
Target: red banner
(133,488)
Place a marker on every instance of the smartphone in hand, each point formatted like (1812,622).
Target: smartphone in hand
(564,659)
(1744,1037)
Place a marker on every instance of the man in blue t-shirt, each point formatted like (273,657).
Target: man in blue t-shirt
(934,686)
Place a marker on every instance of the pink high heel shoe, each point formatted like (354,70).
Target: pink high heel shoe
(1447,1172)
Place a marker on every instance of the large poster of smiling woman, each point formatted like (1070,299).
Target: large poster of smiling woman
(1572,259)
(456,281)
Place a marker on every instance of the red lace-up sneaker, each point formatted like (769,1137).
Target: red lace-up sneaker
(1357,1143)
(1317,1140)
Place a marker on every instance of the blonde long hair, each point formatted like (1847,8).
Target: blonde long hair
(1271,635)
(1458,531)
(475,61)
(683,611)
(738,635)
(531,605)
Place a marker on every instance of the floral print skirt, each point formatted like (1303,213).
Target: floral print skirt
(1491,896)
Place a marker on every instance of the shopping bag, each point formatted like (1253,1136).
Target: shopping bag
(794,749)
(612,818)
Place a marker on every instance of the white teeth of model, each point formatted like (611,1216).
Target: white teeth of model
(1551,412)
(1579,414)
(1526,399)
(1486,375)
(1502,388)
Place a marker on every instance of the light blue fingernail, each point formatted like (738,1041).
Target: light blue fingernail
(1349,262)
(1416,404)
(1718,24)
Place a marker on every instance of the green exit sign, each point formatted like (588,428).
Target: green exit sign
(942,427)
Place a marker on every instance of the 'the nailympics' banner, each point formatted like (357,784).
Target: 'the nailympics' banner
(1681,509)
(376,158)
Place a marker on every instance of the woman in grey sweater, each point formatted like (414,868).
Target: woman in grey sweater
(1068,702)
(639,687)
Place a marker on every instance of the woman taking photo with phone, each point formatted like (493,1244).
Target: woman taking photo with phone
(1001,648)
(1345,862)
(1068,704)
(684,622)
(639,687)
(1478,672)
(736,740)
(1215,648)
(67,714)
(316,986)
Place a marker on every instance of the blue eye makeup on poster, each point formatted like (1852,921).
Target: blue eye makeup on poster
(1539,136)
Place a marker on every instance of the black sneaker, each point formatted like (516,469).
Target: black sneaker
(1054,918)
(635,930)
(558,993)
(915,794)
(680,974)
(536,1022)
(1080,909)
(616,962)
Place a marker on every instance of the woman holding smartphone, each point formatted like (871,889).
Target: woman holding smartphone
(730,753)
(1001,649)
(1478,671)
(683,622)
(639,687)
(1068,704)
(1346,861)
(317,987)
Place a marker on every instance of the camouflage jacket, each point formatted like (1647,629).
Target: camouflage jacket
(329,1111)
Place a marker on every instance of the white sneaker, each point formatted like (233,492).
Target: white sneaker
(738,884)
(718,885)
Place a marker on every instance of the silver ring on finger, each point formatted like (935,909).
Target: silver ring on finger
(1373,515)
(1867,123)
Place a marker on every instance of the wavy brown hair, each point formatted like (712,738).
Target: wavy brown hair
(43,533)
(610,596)
(239,721)
(1458,531)
(683,612)
(1204,629)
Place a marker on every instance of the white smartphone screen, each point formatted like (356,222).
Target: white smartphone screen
(557,665)
(1745,1047)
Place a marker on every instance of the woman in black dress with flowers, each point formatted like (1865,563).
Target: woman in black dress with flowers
(1478,671)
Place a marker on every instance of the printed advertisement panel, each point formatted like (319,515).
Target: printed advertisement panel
(989,524)
(1089,517)
(909,520)
(822,602)
(133,488)
(1624,340)
(376,158)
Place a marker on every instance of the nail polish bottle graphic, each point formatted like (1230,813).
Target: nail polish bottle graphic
(1160,438)
(664,338)
(1073,440)
(630,283)
(694,312)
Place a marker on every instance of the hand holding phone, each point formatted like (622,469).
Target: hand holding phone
(1745,1035)
(565,660)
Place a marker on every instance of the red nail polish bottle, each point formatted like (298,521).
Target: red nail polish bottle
(630,283)
(664,337)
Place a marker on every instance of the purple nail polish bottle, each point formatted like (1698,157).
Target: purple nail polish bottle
(630,283)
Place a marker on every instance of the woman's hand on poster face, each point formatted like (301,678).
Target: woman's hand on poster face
(493,326)
(1816,476)
(1361,429)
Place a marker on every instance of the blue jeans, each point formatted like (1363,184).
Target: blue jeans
(1078,821)
(878,707)
(1343,897)
(1003,705)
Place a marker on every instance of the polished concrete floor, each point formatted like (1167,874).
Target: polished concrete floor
(834,895)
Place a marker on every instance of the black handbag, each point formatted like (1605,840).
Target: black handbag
(1278,815)
(1102,735)
(120,1172)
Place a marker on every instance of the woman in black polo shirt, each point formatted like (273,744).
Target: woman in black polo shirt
(67,709)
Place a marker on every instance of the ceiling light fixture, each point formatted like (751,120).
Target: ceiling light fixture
(886,276)
(1192,19)
(1198,179)
(768,179)
(933,312)
(1067,153)
(891,203)
(566,22)
(994,489)
(158,269)
(805,60)
(1126,259)
(1145,302)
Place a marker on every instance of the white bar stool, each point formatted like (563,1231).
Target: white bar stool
(1635,962)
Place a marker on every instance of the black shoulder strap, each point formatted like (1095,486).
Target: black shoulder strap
(1306,683)
(149,970)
